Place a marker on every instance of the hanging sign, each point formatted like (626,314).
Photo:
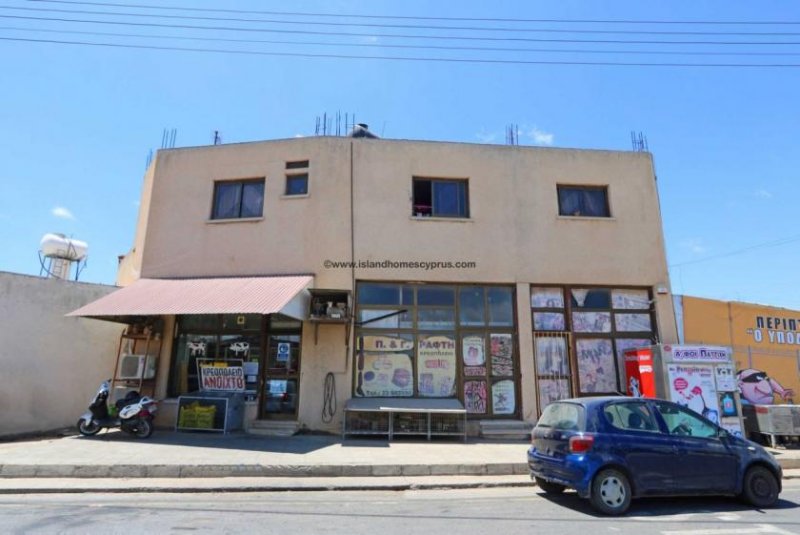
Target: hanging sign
(221,377)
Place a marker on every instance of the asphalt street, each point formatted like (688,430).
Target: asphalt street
(509,511)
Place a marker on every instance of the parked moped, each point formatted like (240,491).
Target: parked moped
(133,414)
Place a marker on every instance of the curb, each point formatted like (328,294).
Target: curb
(324,487)
(258,470)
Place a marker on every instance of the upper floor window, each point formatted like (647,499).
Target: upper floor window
(238,199)
(440,198)
(297,183)
(583,201)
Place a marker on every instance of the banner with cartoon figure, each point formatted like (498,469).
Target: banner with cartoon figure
(693,386)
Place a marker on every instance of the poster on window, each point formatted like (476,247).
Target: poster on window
(503,401)
(596,370)
(501,351)
(726,378)
(221,376)
(548,321)
(633,322)
(551,390)
(384,375)
(472,348)
(475,396)
(591,322)
(551,355)
(437,366)
(547,298)
(693,386)
(630,299)
(385,343)
(474,371)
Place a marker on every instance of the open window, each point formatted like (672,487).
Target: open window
(440,198)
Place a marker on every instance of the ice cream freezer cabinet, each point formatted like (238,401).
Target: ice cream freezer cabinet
(701,378)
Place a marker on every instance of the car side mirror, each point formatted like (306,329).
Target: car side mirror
(722,433)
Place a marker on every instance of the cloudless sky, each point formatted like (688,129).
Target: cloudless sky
(78,121)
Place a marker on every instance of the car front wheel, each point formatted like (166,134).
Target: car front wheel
(760,487)
(548,487)
(611,492)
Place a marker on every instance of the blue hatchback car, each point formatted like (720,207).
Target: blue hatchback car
(613,449)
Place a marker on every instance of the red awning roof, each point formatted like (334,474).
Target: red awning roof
(239,295)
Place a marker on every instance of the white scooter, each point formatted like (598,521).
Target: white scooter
(133,414)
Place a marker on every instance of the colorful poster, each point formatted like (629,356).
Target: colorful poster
(473,352)
(547,298)
(503,400)
(693,386)
(551,355)
(475,395)
(551,390)
(630,299)
(437,366)
(726,378)
(548,321)
(591,322)
(624,344)
(501,352)
(474,371)
(596,370)
(384,375)
(727,405)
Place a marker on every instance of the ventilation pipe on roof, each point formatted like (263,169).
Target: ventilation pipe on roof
(362,130)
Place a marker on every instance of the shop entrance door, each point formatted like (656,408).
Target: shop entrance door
(280,395)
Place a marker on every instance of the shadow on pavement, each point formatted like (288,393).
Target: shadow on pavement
(667,506)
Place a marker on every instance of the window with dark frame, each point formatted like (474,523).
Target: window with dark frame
(583,201)
(439,340)
(297,183)
(440,198)
(238,199)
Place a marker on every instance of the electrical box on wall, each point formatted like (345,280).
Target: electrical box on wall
(330,305)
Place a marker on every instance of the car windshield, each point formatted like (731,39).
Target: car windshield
(566,416)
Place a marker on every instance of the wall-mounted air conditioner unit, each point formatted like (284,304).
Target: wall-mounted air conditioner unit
(137,367)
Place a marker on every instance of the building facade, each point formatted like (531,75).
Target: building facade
(765,341)
(502,277)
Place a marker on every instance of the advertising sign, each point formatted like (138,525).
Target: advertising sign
(501,350)
(693,386)
(473,351)
(284,350)
(475,394)
(726,378)
(699,353)
(503,397)
(640,377)
(437,366)
(221,376)
(385,375)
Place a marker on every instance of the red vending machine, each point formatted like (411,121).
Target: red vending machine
(640,380)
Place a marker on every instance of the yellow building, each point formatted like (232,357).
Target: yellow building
(765,342)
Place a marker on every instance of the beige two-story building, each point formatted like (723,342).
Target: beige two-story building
(489,278)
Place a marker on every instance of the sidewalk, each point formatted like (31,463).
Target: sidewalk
(202,462)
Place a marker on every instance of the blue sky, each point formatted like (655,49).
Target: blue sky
(79,121)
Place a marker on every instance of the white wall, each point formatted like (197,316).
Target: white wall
(50,365)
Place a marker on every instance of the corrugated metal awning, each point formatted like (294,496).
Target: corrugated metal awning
(236,295)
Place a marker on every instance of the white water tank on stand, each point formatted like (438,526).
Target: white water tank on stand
(59,253)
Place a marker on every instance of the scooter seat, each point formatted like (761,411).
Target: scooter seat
(130,397)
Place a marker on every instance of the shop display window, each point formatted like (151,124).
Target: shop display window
(462,344)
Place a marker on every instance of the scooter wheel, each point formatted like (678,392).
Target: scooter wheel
(144,428)
(88,428)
